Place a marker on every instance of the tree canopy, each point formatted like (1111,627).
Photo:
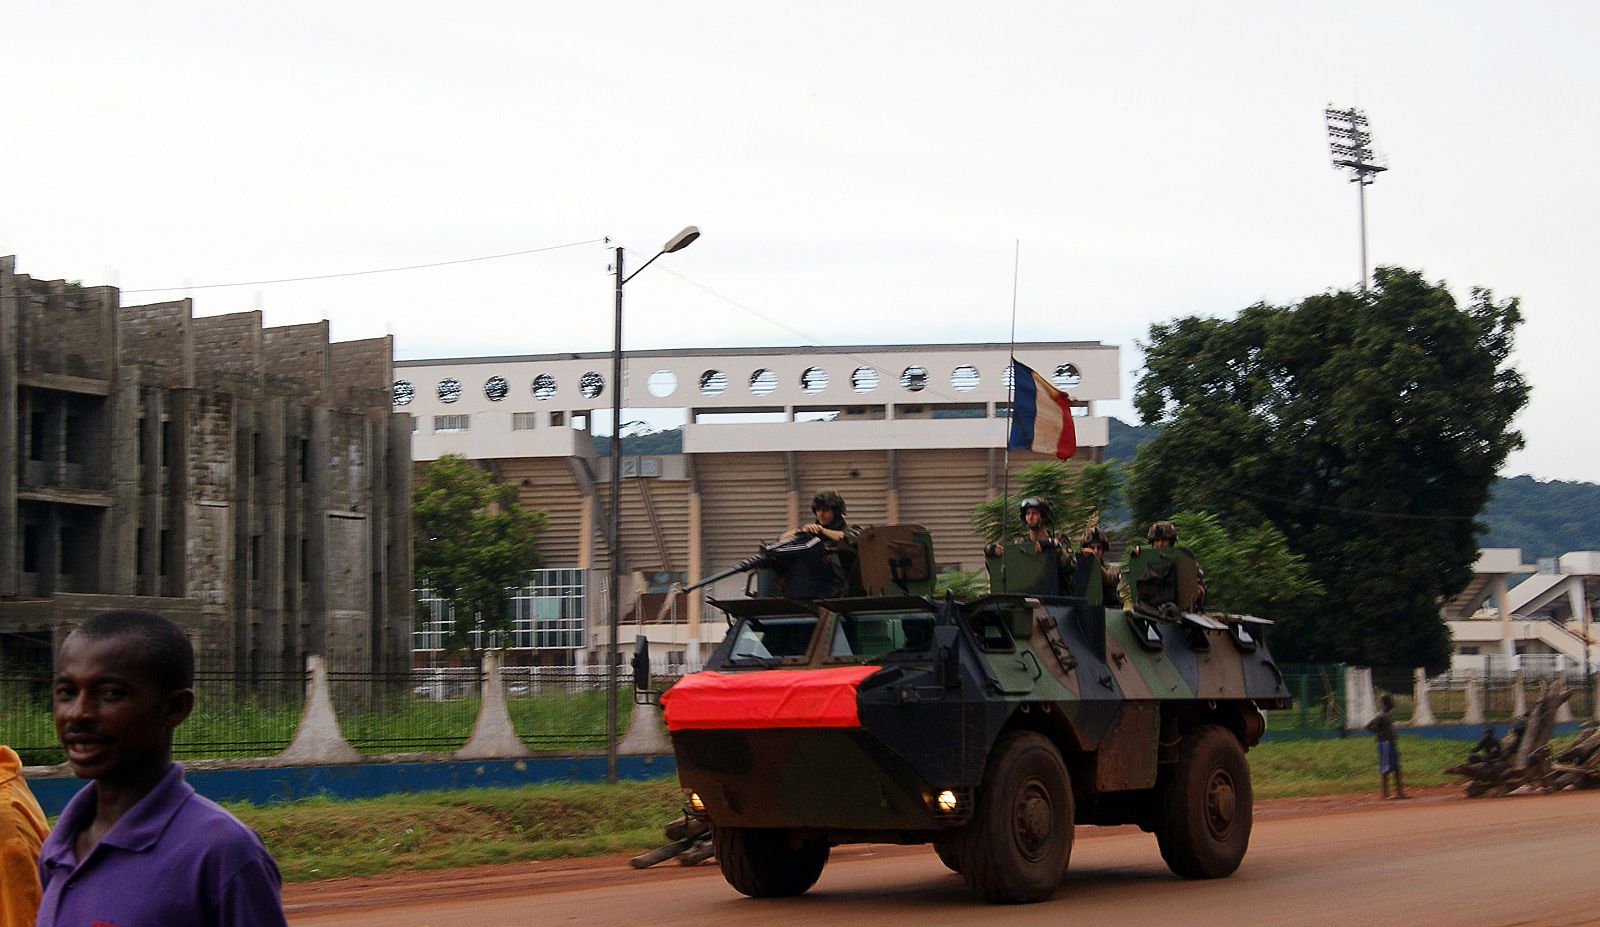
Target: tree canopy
(1250,570)
(474,542)
(1367,427)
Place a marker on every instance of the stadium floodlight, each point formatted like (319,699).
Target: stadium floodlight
(1350,142)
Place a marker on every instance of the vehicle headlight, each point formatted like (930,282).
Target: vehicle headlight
(946,801)
(696,803)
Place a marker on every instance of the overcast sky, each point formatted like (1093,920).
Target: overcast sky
(861,171)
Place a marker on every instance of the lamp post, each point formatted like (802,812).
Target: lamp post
(614,593)
(1350,142)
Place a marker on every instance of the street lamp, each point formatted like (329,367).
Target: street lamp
(614,595)
(1350,142)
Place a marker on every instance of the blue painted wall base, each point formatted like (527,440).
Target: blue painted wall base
(268,785)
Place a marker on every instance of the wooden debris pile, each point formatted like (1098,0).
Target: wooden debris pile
(1578,766)
(1523,757)
(690,844)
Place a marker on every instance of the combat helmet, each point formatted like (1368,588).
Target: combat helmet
(1046,512)
(1094,536)
(1163,531)
(828,498)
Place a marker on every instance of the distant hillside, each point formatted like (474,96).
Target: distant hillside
(1545,519)
(1125,439)
(656,442)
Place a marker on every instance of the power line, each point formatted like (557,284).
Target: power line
(363,273)
(808,338)
(1339,509)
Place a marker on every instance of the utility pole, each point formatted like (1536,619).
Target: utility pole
(1350,142)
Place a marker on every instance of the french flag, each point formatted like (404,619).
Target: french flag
(1041,415)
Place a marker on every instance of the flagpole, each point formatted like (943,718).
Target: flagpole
(1011,402)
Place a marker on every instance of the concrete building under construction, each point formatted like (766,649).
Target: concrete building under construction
(251,483)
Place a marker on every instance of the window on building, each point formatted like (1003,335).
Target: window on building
(451,423)
(305,460)
(168,436)
(255,557)
(164,554)
(30,548)
(547,613)
(77,449)
(36,435)
(524,421)
(138,552)
(255,453)
(557,418)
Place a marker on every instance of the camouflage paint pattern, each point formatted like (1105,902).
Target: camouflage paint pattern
(1107,685)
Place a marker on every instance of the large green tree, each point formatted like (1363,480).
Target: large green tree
(1251,570)
(1367,427)
(474,542)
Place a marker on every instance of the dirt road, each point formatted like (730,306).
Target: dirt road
(1438,859)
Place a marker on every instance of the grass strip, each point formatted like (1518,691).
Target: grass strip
(325,839)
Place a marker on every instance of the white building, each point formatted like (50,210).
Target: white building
(1543,623)
(907,433)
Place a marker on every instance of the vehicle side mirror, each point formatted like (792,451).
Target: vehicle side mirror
(641,667)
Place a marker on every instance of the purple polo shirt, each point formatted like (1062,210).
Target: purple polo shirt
(175,859)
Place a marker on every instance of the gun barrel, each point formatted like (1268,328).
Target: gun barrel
(743,566)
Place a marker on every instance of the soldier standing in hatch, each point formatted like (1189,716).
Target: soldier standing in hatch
(1162,536)
(1094,544)
(1388,752)
(838,536)
(1037,517)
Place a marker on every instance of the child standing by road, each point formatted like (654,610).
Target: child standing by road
(1388,753)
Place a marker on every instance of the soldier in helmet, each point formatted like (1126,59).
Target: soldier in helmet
(1095,544)
(1038,518)
(1163,535)
(838,536)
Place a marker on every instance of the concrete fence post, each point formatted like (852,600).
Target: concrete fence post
(1360,705)
(318,739)
(1519,698)
(646,736)
(1594,699)
(1421,708)
(1474,695)
(1564,712)
(493,737)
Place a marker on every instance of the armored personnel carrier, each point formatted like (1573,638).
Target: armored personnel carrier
(986,728)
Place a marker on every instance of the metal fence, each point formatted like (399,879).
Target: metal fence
(1318,694)
(1447,692)
(419,711)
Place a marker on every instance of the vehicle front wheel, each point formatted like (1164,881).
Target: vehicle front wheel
(1020,837)
(1204,817)
(765,863)
(949,851)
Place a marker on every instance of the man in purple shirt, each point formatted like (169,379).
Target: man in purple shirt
(137,847)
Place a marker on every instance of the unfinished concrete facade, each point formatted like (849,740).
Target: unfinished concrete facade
(251,483)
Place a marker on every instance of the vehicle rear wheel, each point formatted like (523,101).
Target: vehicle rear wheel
(766,863)
(1020,838)
(1203,827)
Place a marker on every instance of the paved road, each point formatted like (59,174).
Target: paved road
(1519,860)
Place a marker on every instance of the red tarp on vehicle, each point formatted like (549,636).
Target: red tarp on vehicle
(765,699)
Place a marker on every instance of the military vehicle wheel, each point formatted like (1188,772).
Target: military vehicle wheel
(765,863)
(1017,845)
(1203,824)
(949,851)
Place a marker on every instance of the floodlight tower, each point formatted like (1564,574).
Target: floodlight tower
(1351,144)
